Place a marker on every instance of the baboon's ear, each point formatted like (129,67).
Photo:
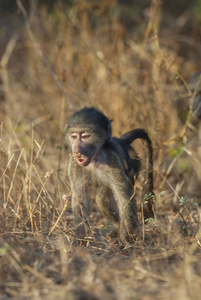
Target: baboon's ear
(110,128)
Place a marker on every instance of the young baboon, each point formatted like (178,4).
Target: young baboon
(114,165)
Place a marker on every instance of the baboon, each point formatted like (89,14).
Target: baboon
(114,165)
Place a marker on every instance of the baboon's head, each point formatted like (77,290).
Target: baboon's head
(87,131)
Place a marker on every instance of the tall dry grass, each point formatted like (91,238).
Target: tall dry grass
(53,63)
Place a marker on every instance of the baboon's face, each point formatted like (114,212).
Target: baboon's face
(87,132)
(80,142)
(85,146)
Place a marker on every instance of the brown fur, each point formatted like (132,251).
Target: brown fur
(113,163)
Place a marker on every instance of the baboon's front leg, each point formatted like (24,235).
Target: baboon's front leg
(79,202)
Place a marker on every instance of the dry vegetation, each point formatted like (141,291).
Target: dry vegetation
(134,68)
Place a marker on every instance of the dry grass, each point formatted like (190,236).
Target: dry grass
(61,61)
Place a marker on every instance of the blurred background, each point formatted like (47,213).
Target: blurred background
(134,60)
(131,59)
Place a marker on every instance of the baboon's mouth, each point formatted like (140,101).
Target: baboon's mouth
(82,160)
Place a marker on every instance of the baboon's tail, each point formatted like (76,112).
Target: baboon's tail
(130,137)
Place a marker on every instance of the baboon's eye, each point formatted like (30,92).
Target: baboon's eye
(85,136)
(73,136)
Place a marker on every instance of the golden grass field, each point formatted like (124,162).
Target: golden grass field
(132,62)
